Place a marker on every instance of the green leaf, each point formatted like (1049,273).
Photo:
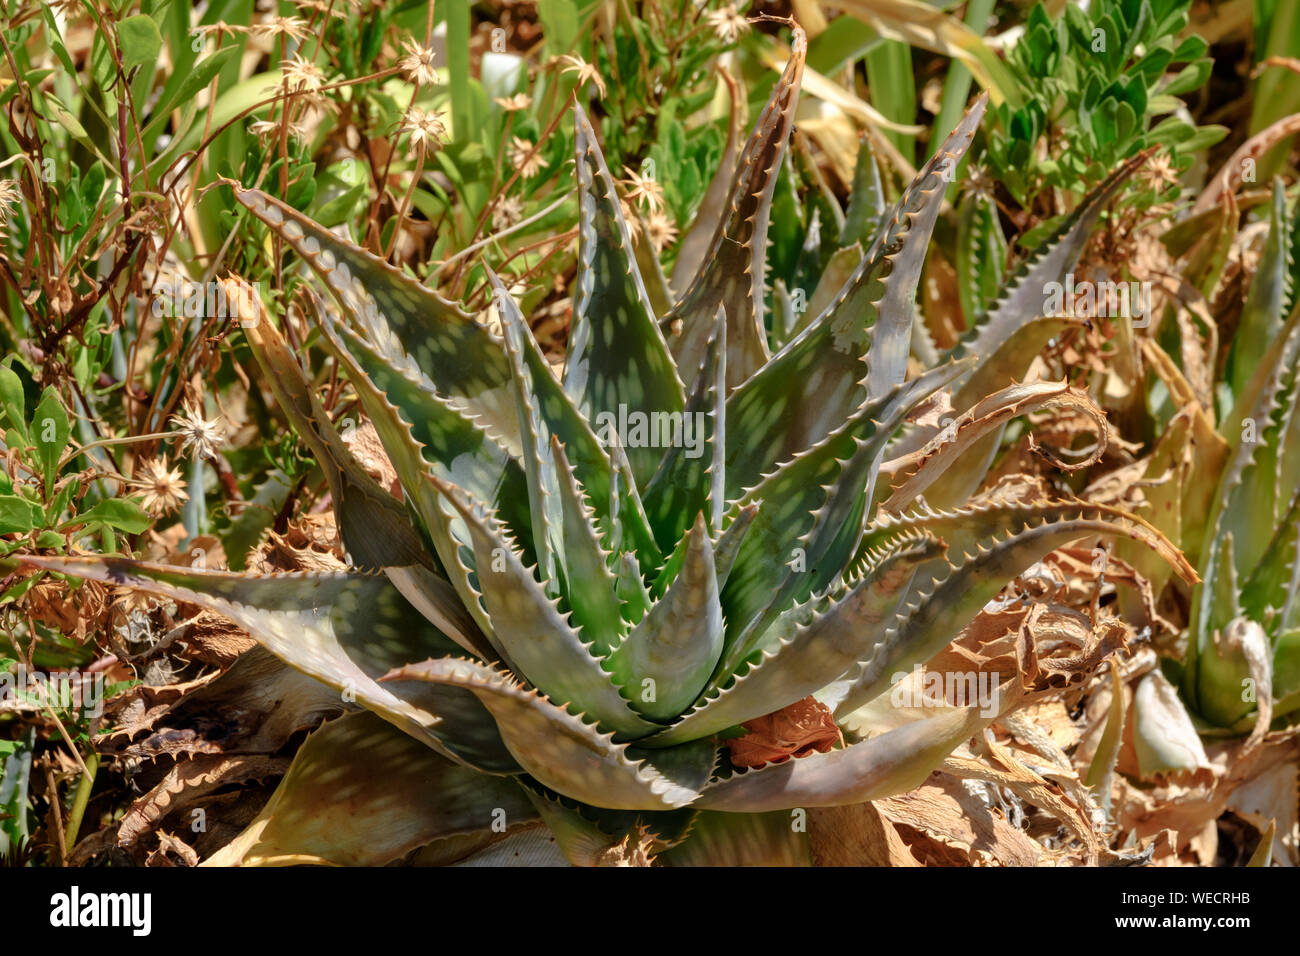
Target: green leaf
(866,210)
(590,588)
(120,513)
(18,515)
(49,433)
(809,647)
(139,39)
(456,356)
(537,455)
(981,255)
(618,363)
(893,762)
(1023,298)
(373,525)
(811,511)
(362,793)
(1267,297)
(569,755)
(345,629)
(667,658)
(732,272)
(767,420)
(740,839)
(11,396)
(988,544)
(15,774)
(535,638)
(691,477)
(188,86)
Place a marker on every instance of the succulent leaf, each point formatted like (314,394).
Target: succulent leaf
(450,444)
(691,479)
(947,449)
(591,589)
(818,649)
(1273,583)
(593,836)
(344,629)
(866,210)
(398,314)
(361,793)
(1004,368)
(806,513)
(733,270)
(373,525)
(631,588)
(618,359)
(1267,299)
(1249,508)
(592,464)
(986,549)
(534,634)
(981,254)
(666,660)
(538,457)
(906,242)
(740,839)
(895,761)
(1022,299)
(768,421)
(567,754)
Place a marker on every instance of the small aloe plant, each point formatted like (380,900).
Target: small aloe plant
(1243,655)
(594,581)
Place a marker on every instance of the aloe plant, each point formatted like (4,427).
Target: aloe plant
(568,618)
(1243,654)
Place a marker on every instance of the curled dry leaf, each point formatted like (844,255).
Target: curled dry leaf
(310,543)
(77,614)
(1003,769)
(804,727)
(186,782)
(945,823)
(857,835)
(1164,738)
(1273,797)
(254,707)
(172,846)
(922,468)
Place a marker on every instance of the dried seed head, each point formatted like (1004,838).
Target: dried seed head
(647,189)
(200,437)
(417,64)
(660,230)
(425,128)
(163,487)
(9,195)
(727,23)
(295,28)
(524,158)
(586,73)
(508,211)
(520,101)
(303,75)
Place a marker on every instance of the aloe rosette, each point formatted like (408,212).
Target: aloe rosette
(1243,651)
(567,618)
